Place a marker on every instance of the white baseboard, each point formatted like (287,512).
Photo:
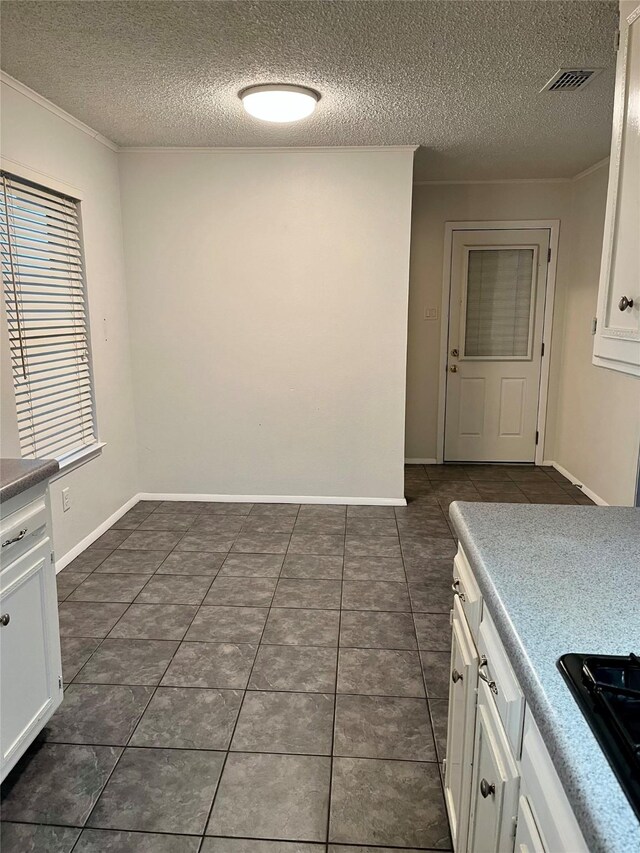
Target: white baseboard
(576,482)
(95,534)
(273,499)
(420,461)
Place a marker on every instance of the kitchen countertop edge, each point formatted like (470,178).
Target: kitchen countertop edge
(18,475)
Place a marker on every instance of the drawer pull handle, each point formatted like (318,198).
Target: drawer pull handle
(5,619)
(456,591)
(487,788)
(493,687)
(17,538)
(456,676)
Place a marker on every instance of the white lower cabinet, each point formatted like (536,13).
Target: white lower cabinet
(495,781)
(30,668)
(502,792)
(462,709)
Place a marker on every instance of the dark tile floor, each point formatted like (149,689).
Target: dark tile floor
(257,678)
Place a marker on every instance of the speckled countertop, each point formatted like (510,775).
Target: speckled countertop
(18,475)
(560,579)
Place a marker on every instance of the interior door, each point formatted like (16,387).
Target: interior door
(496,323)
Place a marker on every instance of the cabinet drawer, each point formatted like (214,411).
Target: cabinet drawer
(467,590)
(495,670)
(527,836)
(22,529)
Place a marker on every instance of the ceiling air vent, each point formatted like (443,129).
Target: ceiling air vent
(570,79)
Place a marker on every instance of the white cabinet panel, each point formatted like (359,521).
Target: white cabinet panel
(494,794)
(462,700)
(617,340)
(527,836)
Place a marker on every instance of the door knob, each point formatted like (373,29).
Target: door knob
(625,303)
(454,368)
(487,788)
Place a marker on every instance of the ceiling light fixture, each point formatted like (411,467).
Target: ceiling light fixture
(279,102)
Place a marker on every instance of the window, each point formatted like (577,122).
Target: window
(44,293)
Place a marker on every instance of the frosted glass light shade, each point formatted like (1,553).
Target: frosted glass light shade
(279,103)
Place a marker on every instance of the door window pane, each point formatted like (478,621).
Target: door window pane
(498,310)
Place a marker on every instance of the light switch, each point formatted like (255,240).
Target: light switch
(430,313)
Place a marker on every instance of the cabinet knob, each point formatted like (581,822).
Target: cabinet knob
(456,591)
(5,619)
(456,676)
(487,788)
(625,303)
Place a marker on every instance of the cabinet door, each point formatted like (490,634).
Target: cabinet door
(30,671)
(527,836)
(494,793)
(462,706)
(617,341)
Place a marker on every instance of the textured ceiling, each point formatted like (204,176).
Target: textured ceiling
(461,79)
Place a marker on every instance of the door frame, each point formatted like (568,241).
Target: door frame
(553,226)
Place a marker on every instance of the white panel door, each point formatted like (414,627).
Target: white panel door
(496,320)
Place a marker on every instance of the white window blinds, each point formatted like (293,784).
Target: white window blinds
(46,319)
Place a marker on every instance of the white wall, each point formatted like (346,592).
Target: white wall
(42,141)
(268,309)
(598,423)
(433,206)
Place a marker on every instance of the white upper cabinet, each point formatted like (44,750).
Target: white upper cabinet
(617,340)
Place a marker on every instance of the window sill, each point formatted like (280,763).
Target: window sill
(76,460)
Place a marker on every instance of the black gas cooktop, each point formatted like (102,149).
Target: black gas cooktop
(607,689)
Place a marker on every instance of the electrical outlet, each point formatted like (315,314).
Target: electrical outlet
(66,500)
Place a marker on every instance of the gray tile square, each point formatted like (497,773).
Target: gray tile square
(331,524)
(218,543)
(189,718)
(374,569)
(372,527)
(131,519)
(299,627)
(88,618)
(271,510)
(380,672)
(368,629)
(375,595)
(433,631)
(372,546)
(436,668)
(191,563)
(398,803)
(322,511)
(252,566)
(58,783)
(247,845)
(167,522)
(227,525)
(429,526)
(98,714)
(123,841)
(295,723)
(190,507)
(154,622)
(230,508)
(255,524)
(431,597)
(111,539)
(160,790)
(297,668)
(370,512)
(34,838)
(175,589)
(383,727)
(151,540)
(317,543)
(137,562)
(223,665)
(76,651)
(428,547)
(312,566)
(228,625)
(273,796)
(114,588)
(435,572)
(89,560)
(127,662)
(262,543)
(298,592)
(253,592)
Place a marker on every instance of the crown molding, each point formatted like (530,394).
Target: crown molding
(264,149)
(583,174)
(590,169)
(58,111)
